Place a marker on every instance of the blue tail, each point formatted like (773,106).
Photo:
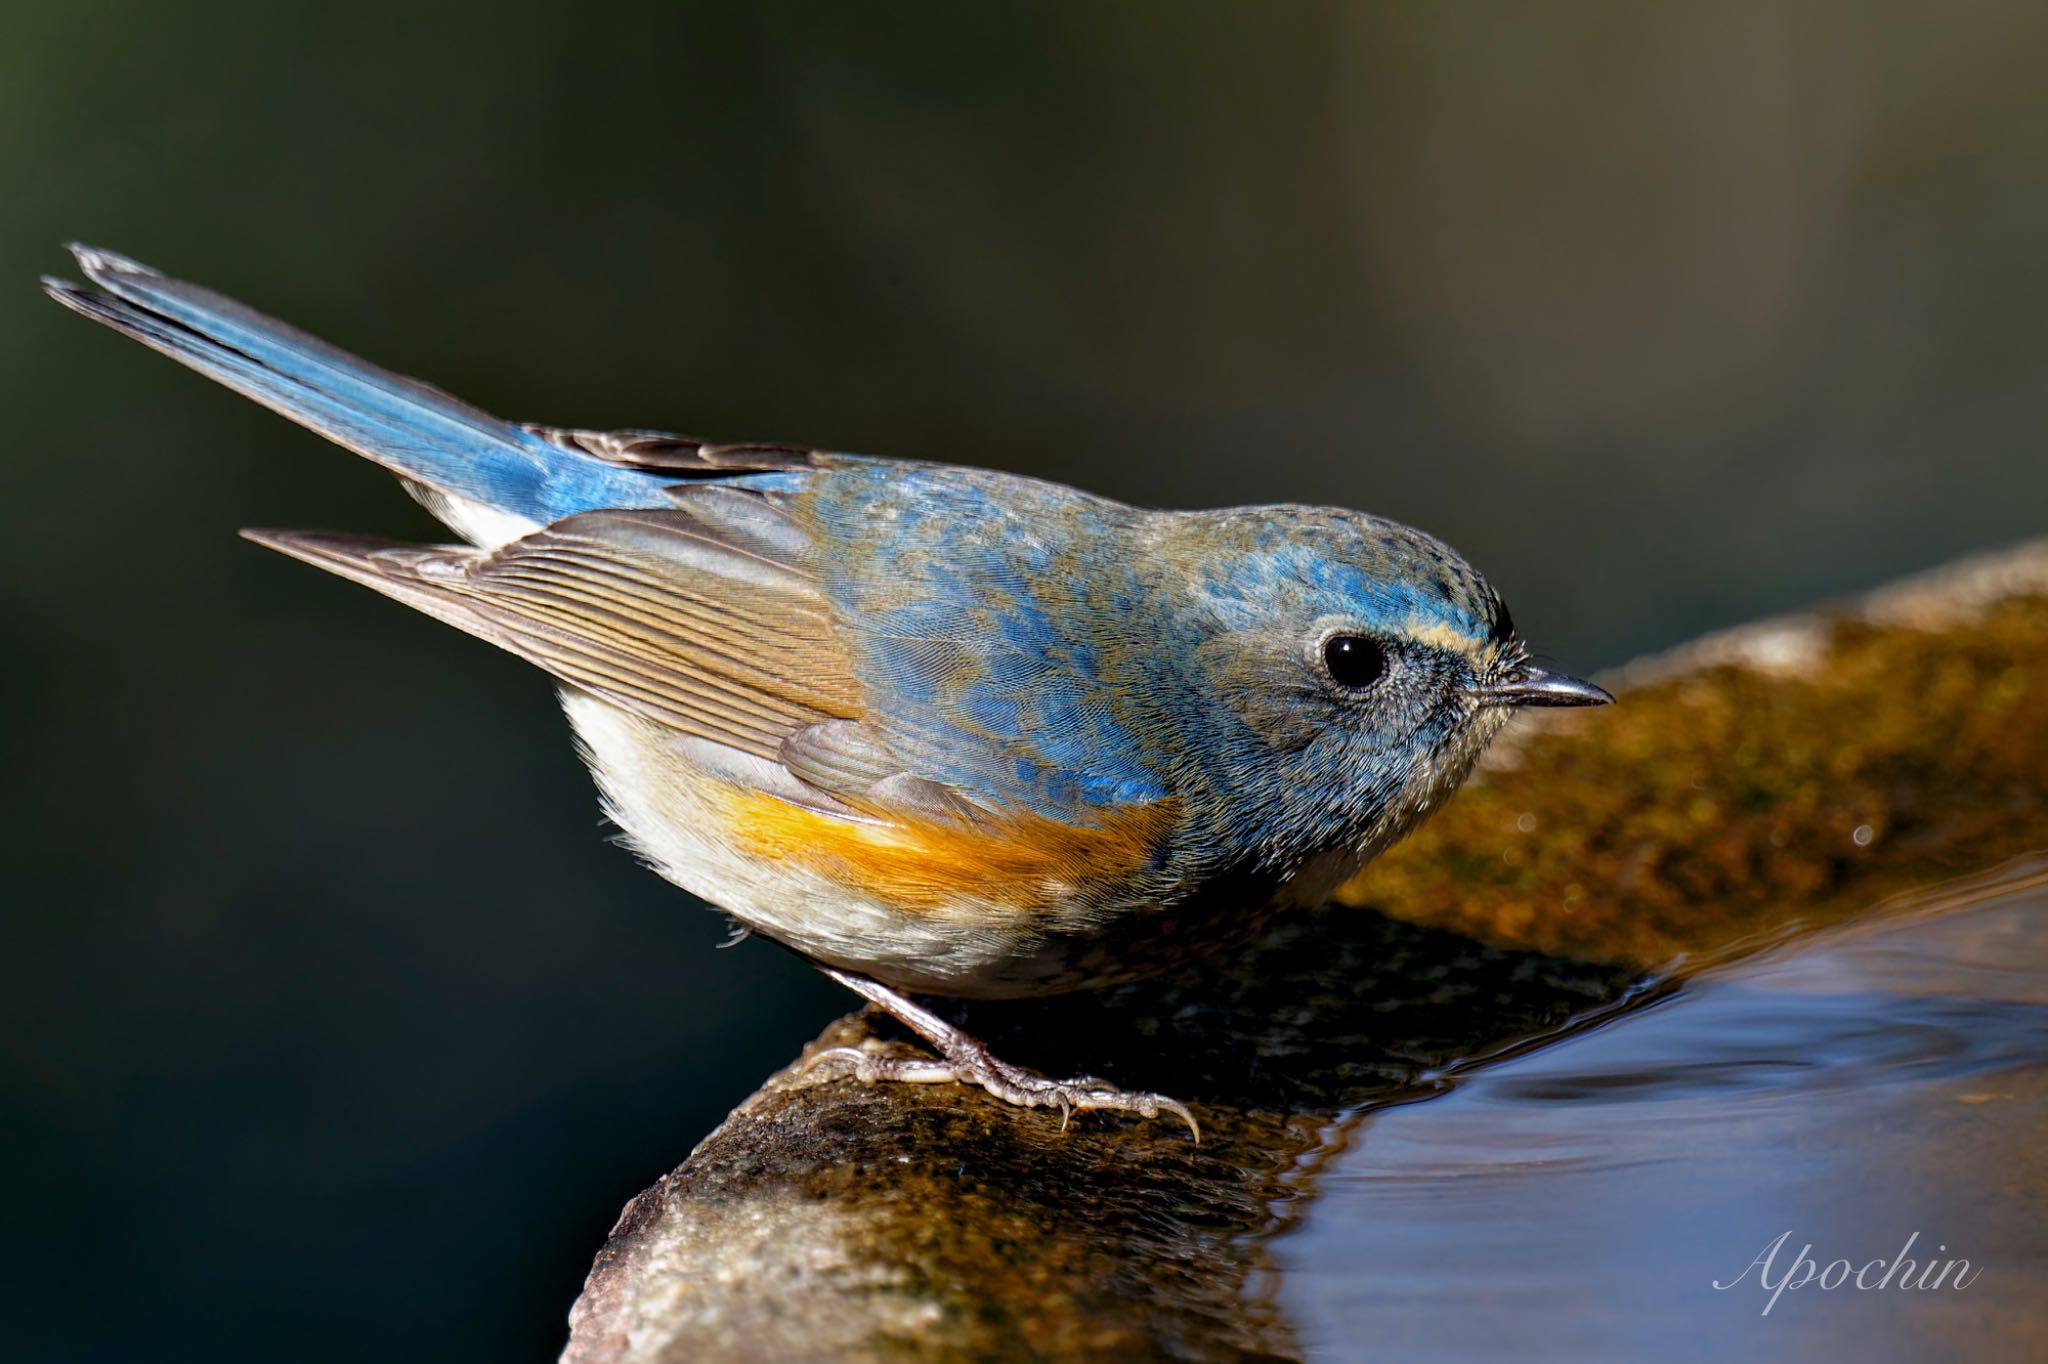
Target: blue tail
(457,457)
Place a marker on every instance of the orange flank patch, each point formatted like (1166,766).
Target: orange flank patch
(915,863)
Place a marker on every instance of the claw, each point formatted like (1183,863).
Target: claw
(967,1061)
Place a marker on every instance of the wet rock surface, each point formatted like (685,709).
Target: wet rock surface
(1753,792)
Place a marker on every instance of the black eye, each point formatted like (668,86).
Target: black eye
(1354,661)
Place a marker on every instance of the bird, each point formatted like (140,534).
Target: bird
(942,731)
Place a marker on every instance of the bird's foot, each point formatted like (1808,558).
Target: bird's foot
(969,1061)
(1011,1084)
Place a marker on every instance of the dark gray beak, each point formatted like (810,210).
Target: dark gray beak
(1533,686)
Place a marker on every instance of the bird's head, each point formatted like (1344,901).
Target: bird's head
(1349,670)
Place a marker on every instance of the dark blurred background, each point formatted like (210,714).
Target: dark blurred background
(333,1028)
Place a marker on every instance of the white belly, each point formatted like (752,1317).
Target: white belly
(665,804)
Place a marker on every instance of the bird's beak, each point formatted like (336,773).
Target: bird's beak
(1529,685)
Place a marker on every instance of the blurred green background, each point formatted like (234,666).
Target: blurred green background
(333,1029)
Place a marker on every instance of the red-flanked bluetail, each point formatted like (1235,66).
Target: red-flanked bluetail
(940,730)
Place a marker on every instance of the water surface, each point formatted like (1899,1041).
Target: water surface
(1858,1088)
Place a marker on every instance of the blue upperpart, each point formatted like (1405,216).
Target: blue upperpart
(411,428)
(1007,640)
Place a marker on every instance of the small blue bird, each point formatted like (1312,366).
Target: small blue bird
(941,730)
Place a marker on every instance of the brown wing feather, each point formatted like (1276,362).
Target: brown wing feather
(684,456)
(657,611)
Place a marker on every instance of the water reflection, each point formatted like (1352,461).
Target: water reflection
(1854,1089)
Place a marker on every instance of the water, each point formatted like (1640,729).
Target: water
(1855,1088)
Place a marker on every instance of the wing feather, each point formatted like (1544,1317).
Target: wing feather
(742,616)
(644,608)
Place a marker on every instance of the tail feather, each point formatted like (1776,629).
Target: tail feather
(487,477)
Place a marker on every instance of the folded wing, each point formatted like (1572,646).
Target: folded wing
(664,613)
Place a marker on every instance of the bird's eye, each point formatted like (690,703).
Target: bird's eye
(1354,661)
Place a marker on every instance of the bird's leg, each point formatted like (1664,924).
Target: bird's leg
(968,1061)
